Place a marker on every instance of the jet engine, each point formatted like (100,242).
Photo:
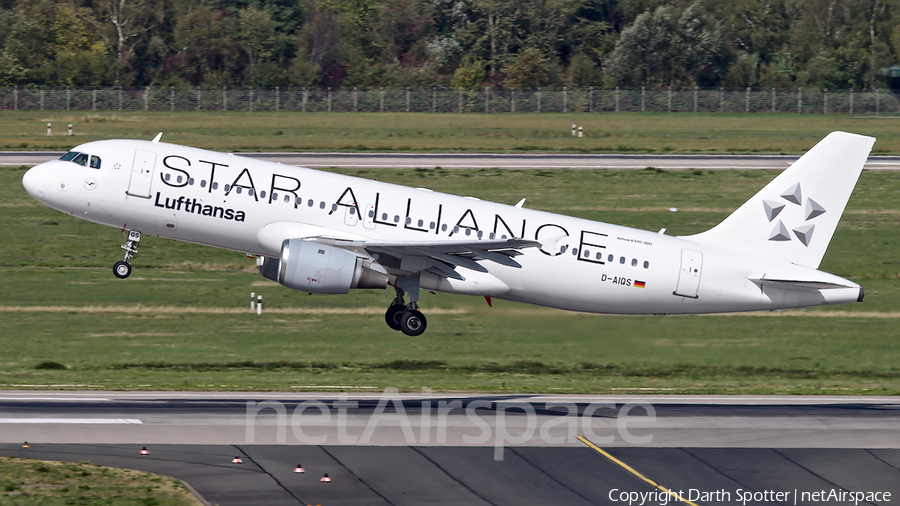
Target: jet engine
(318,268)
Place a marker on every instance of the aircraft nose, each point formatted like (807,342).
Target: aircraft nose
(32,182)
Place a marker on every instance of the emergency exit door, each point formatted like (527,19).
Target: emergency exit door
(689,276)
(141,174)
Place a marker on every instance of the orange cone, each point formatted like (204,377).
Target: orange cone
(25,445)
(299,469)
(144,451)
(325,479)
(236,460)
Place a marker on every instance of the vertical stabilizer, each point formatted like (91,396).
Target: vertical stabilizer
(796,214)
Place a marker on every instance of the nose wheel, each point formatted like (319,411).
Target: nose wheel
(122,269)
(405,317)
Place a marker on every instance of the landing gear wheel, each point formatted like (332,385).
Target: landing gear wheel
(122,269)
(413,323)
(392,316)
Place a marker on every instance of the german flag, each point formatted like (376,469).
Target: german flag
(639,284)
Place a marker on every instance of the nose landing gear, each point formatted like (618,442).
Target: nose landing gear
(122,269)
(405,317)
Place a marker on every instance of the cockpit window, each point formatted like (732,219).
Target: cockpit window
(68,156)
(81,159)
(95,162)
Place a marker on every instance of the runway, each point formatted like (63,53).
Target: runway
(503,161)
(391,448)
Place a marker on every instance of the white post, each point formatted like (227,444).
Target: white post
(252,301)
(574,129)
(70,129)
(580,132)
(259,304)
(49,129)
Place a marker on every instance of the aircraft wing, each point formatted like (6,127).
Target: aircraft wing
(438,257)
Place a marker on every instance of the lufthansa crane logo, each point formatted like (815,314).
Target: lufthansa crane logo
(792,196)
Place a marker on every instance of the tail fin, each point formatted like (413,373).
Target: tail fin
(796,214)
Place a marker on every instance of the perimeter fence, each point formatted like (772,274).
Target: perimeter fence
(444,100)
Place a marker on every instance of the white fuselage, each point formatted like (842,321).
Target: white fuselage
(248,205)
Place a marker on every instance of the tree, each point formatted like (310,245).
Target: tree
(258,38)
(665,48)
(531,69)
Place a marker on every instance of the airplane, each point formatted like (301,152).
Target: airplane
(319,232)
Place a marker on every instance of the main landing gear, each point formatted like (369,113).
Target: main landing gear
(122,269)
(406,317)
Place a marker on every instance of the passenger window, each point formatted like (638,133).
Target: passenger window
(69,156)
(95,162)
(81,159)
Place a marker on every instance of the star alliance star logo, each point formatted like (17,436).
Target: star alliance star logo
(792,196)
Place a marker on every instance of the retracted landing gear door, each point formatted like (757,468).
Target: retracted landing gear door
(141,174)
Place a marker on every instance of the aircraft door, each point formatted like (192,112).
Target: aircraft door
(689,276)
(141,174)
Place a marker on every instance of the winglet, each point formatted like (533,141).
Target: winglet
(521,203)
(157,138)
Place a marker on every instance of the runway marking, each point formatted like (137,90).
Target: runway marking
(62,399)
(632,471)
(82,421)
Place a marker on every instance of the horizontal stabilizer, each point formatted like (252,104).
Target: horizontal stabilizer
(796,284)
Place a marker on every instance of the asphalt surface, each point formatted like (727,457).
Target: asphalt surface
(717,448)
(504,161)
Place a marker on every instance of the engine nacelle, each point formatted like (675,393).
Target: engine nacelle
(318,268)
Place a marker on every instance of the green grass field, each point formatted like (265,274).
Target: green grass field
(27,481)
(448,132)
(182,321)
